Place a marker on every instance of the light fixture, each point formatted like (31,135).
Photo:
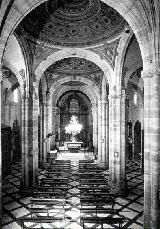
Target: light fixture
(73,128)
(135,97)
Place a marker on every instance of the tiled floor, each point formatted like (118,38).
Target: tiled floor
(15,206)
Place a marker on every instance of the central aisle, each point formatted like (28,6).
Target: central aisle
(73,195)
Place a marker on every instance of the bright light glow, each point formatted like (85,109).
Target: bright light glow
(74,127)
(15,96)
(135,98)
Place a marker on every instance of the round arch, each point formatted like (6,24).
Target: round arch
(131,11)
(85,89)
(75,52)
(120,60)
(89,83)
(15,71)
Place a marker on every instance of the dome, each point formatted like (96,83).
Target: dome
(73,22)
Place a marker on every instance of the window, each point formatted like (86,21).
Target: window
(15,95)
(135,97)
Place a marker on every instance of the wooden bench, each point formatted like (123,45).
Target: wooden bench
(91,170)
(40,220)
(93,189)
(92,180)
(59,179)
(54,183)
(92,184)
(96,194)
(103,220)
(35,212)
(51,188)
(68,162)
(96,211)
(57,173)
(100,201)
(48,201)
(58,169)
(49,194)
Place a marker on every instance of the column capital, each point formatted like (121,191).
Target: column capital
(150,73)
(114,96)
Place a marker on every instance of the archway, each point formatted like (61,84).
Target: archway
(127,9)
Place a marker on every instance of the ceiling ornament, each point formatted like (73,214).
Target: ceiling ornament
(107,52)
(73,22)
(74,66)
(40,52)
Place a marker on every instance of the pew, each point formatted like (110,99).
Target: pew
(52,182)
(103,220)
(40,220)
(47,201)
(51,188)
(93,189)
(50,194)
(68,162)
(60,179)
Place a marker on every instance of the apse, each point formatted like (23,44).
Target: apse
(76,103)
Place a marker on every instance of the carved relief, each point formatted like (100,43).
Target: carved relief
(108,52)
(73,23)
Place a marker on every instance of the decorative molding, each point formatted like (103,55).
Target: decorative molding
(83,22)
(39,51)
(107,51)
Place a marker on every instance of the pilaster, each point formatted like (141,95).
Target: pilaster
(95,127)
(0,153)
(151,148)
(117,174)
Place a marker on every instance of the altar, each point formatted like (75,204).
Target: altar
(73,145)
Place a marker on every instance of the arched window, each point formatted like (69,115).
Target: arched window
(135,97)
(15,95)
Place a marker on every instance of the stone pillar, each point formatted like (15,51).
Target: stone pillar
(95,127)
(25,140)
(151,148)
(100,131)
(35,149)
(41,134)
(29,141)
(123,134)
(103,137)
(45,129)
(105,134)
(52,141)
(116,156)
(58,125)
(0,153)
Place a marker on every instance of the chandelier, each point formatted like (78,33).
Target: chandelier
(73,128)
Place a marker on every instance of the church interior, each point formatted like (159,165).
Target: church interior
(80,114)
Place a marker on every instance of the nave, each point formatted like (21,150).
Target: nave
(75,194)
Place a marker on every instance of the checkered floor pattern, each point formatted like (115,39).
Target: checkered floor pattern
(16,206)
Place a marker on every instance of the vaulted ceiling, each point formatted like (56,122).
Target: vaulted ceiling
(73,22)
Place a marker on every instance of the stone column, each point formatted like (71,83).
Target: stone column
(58,124)
(95,127)
(25,140)
(103,137)
(41,135)
(0,154)
(151,148)
(116,156)
(35,148)
(105,134)
(52,141)
(45,129)
(29,141)
(100,131)
(123,141)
